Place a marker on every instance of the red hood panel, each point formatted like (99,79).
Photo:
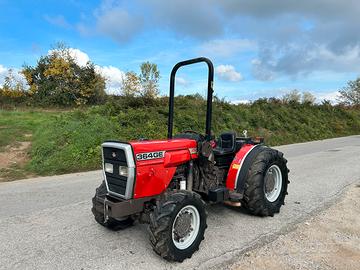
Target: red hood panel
(154,175)
(162,145)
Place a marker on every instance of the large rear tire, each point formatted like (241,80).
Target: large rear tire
(177,225)
(266,183)
(111,223)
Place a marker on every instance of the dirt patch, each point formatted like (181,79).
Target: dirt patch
(12,161)
(15,154)
(330,240)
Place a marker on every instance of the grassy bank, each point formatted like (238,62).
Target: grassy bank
(70,141)
(16,135)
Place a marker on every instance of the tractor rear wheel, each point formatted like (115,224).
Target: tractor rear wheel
(111,223)
(177,225)
(266,183)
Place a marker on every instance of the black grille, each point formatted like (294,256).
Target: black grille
(116,183)
(114,154)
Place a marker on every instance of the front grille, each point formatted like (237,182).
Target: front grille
(115,184)
(114,154)
(119,154)
(116,157)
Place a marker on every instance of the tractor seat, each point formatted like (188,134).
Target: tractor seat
(226,144)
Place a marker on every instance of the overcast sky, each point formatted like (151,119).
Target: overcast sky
(259,48)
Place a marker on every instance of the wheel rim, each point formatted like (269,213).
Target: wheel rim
(185,227)
(273,183)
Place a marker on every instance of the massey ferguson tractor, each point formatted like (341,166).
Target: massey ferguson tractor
(166,182)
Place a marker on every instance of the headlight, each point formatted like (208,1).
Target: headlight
(123,171)
(109,168)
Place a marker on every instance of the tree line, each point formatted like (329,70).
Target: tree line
(57,79)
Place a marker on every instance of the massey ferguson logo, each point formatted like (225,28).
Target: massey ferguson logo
(150,155)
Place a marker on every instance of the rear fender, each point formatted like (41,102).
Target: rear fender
(240,166)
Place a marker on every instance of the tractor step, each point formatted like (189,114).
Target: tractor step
(219,194)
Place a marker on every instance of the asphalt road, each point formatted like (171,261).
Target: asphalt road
(46,223)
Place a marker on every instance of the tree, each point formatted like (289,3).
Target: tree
(58,80)
(12,87)
(308,98)
(350,94)
(149,79)
(146,84)
(291,97)
(325,103)
(131,85)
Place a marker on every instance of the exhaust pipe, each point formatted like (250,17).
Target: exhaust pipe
(190,178)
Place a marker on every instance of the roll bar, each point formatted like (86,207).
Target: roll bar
(209,94)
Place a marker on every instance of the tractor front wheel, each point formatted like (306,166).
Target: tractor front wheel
(177,225)
(266,183)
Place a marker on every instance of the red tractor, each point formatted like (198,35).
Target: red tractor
(165,182)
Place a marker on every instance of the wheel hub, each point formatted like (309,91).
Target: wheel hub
(273,183)
(185,227)
(269,182)
(182,225)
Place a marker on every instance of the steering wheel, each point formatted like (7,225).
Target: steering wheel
(202,137)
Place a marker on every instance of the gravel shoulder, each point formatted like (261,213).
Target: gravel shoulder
(329,240)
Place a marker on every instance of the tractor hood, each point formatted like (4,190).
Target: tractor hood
(151,163)
(156,162)
(162,145)
(164,151)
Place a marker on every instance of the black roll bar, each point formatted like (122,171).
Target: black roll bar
(209,94)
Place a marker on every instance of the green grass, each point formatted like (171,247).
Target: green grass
(70,141)
(18,126)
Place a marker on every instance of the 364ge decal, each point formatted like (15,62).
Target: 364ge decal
(150,155)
